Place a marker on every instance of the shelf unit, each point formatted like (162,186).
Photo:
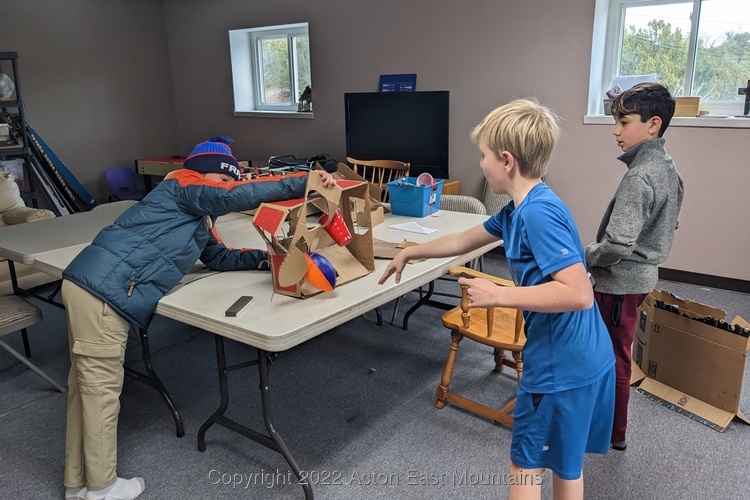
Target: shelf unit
(14,106)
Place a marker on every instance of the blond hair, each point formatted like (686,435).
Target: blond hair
(523,127)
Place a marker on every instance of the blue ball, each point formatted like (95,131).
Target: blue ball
(320,272)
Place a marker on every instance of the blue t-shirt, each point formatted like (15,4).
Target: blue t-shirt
(563,350)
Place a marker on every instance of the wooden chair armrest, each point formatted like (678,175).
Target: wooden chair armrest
(460,271)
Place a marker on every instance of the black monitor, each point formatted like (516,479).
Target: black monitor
(404,126)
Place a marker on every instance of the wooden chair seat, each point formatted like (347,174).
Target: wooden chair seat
(499,328)
(500,337)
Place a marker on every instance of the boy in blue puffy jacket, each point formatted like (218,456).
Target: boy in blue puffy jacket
(118,281)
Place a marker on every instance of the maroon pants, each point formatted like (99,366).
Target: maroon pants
(620,314)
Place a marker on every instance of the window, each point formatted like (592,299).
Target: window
(270,68)
(696,47)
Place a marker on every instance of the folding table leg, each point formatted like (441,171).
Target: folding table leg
(152,380)
(424,299)
(273,439)
(265,397)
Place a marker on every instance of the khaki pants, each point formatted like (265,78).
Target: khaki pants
(97,336)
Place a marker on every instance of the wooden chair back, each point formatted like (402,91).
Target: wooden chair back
(380,172)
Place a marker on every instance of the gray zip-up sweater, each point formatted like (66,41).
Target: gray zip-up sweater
(637,230)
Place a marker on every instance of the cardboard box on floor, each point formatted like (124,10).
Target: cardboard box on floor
(687,365)
(287,253)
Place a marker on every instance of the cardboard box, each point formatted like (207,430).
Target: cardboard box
(414,201)
(686,106)
(690,366)
(376,212)
(287,252)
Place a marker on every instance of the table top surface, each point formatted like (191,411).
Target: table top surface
(20,243)
(276,322)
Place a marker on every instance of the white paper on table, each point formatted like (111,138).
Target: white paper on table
(413,227)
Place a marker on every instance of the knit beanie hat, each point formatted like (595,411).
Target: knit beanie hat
(214,155)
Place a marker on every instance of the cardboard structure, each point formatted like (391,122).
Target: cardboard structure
(365,217)
(690,359)
(287,251)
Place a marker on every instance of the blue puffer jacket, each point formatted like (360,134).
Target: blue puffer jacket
(131,264)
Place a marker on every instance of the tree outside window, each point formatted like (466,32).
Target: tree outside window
(270,67)
(696,47)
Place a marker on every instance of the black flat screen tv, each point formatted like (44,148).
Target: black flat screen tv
(405,126)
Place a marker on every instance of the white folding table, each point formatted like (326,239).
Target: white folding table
(274,322)
(21,242)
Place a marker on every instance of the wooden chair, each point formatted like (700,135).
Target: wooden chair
(500,328)
(380,172)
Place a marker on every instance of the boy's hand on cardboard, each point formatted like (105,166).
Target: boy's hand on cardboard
(328,180)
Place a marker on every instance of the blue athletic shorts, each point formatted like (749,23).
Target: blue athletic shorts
(555,430)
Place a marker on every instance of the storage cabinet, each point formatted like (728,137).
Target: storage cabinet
(13,117)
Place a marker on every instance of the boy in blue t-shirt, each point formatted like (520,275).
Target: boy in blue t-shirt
(565,400)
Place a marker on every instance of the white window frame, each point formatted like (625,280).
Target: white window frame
(247,81)
(605,53)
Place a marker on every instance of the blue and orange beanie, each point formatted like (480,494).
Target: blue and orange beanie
(214,155)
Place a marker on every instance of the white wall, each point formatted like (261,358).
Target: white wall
(485,55)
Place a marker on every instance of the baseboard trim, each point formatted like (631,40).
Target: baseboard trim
(732,284)
(708,280)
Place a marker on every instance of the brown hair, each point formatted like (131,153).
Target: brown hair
(646,100)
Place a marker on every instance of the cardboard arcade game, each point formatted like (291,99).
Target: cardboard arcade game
(287,252)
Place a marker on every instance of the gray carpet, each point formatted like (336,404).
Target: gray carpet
(356,408)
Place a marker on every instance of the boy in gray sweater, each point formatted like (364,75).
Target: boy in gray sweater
(637,229)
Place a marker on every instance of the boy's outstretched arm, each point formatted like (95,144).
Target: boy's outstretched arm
(569,290)
(445,246)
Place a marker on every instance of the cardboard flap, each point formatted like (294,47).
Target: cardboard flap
(269,218)
(687,405)
(636,374)
(688,318)
(375,191)
(387,249)
(347,266)
(315,183)
(744,324)
(742,417)
(293,269)
(688,305)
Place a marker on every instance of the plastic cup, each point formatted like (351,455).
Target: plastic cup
(425,179)
(336,228)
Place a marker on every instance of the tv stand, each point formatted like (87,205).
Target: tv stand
(451,186)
